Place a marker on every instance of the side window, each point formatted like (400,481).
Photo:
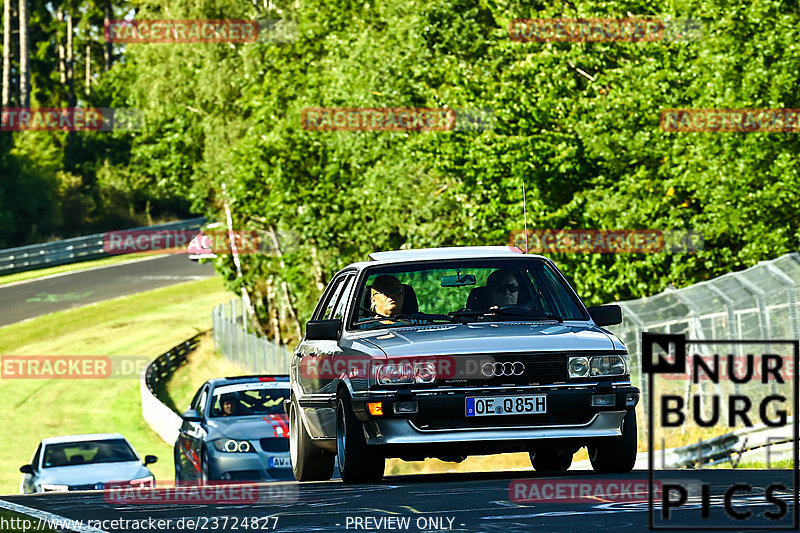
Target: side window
(200,403)
(344,299)
(330,304)
(36,456)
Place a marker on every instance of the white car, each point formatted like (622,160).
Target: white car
(85,462)
(201,244)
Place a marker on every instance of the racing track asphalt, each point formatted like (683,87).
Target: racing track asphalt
(24,300)
(475,502)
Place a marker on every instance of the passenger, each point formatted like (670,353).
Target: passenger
(502,288)
(387,296)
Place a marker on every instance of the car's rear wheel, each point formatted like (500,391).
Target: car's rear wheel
(358,463)
(309,462)
(176,455)
(550,460)
(616,455)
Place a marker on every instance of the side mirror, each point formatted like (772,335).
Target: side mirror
(323,330)
(150,459)
(26,469)
(606,315)
(191,416)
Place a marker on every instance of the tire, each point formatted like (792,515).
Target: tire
(205,468)
(309,462)
(357,462)
(176,455)
(616,455)
(549,460)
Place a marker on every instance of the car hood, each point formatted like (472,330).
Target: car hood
(452,339)
(249,427)
(94,473)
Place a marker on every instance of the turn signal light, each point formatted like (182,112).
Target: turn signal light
(375,408)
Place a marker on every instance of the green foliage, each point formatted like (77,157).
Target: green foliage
(577,122)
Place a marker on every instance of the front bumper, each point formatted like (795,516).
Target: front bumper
(441,421)
(248,466)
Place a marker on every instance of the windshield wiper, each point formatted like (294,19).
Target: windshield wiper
(508,311)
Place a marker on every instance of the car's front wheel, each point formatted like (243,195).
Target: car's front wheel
(309,462)
(358,463)
(616,455)
(205,468)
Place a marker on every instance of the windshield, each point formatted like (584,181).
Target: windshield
(90,452)
(245,399)
(461,291)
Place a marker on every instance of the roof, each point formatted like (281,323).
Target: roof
(453,252)
(82,438)
(248,379)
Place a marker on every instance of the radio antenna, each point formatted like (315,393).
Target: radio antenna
(525,215)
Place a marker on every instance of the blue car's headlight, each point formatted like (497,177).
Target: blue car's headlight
(233,446)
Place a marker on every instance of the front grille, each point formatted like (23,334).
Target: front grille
(89,486)
(540,369)
(275,444)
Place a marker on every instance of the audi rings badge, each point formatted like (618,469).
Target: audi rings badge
(502,369)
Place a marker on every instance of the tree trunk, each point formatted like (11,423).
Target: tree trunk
(108,51)
(7,53)
(319,279)
(284,286)
(24,69)
(88,80)
(70,65)
(62,60)
(275,325)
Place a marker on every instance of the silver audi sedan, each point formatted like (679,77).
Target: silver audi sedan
(450,352)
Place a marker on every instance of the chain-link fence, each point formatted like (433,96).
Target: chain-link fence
(256,354)
(759,303)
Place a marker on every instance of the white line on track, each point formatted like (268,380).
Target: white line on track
(49,519)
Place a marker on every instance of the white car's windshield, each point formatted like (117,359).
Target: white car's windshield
(89,452)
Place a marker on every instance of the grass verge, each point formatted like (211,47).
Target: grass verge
(42,272)
(11,522)
(144,324)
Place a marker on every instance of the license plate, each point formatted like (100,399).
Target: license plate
(280,462)
(506,405)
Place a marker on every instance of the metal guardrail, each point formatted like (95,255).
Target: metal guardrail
(73,250)
(255,354)
(158,415)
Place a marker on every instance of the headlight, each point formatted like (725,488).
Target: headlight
(148,481)
(578,367)
(55,488)
(610,365)
(597,365)
(406,373)
(233,446)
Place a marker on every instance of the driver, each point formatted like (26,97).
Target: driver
(229,404)
(387,296)
(503,288)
